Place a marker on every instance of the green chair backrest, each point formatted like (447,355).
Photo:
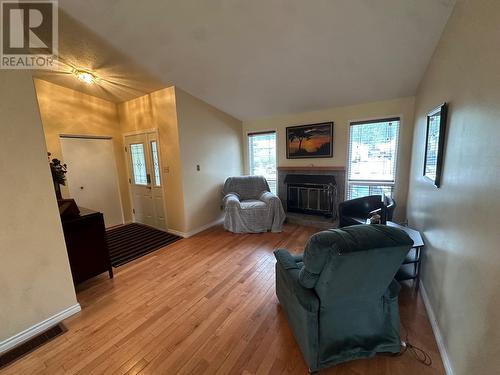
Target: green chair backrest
(353,262)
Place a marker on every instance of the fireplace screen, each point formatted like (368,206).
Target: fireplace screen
(311,194)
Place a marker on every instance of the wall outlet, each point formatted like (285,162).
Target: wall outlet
(198,167)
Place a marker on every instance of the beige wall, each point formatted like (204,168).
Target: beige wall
(157,110)
(341,116)
(211,139)
(460,220)
(66,111)
(191,133)
(35,279)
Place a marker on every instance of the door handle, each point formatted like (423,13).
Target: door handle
(148,177)
(148,187)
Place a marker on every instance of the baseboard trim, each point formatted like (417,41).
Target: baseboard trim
(38,328)
(197,230)
(437,332)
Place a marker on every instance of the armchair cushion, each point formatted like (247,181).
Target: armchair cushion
(252,204)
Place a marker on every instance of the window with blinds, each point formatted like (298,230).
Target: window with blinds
(372,160)
(262,156)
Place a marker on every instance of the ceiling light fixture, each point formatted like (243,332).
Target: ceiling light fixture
(85,76)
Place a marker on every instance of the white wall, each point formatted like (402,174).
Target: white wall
(460,220)
(35,279)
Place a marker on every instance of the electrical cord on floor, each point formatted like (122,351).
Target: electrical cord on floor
(419,354)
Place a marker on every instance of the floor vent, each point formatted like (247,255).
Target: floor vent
(30,345)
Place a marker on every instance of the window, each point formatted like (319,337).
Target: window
(138,164)
(373,149)
(262,156)
(156,164)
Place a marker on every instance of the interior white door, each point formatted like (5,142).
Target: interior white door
(145,179)
(92,176)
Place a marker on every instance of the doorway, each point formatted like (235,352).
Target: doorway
(146,185)
(92,175)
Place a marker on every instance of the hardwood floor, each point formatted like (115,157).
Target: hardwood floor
(204,305)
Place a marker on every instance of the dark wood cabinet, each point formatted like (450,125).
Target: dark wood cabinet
(85,237)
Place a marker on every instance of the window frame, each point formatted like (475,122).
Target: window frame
(394,183)
(248,152)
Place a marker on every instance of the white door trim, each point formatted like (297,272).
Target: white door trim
(38,328)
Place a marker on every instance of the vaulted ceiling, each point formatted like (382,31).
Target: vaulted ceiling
(257,58)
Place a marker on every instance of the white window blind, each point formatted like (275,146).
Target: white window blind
(372,160)
(262,156)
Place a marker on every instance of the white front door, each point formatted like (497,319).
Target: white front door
(92,177)
(146,187)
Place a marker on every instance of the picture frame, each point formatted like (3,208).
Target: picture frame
(434,144)
(309,141)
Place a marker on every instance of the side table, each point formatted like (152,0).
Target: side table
(410,270)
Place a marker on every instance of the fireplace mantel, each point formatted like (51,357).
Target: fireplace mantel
(312,168)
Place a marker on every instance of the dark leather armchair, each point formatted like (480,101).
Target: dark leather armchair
(356,211)
(390,206)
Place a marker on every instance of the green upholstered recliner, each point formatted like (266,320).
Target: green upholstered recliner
(340,296)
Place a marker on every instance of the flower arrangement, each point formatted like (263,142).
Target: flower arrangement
(58,171)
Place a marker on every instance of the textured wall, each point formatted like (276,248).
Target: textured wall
(211,139)
(35,279)
(460,220)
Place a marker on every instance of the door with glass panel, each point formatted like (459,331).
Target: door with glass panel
(146,185)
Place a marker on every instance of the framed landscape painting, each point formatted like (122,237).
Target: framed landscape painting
(434,144)
(309,141)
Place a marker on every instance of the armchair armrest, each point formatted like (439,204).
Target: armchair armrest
(350,206)
(231,199)
(267,197)
(285,259)
(288,271)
